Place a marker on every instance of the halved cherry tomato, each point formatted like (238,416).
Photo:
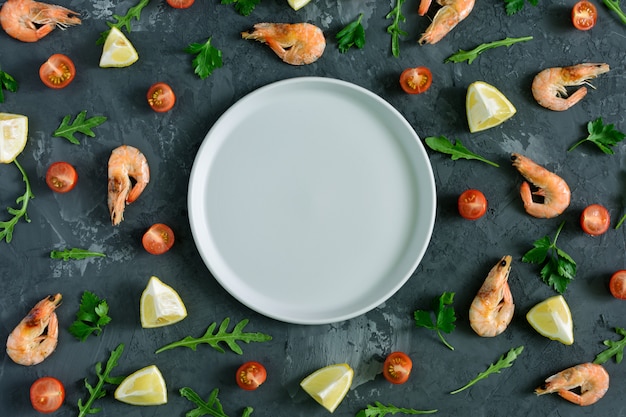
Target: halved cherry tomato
(161,97)
(47,394)
(416,80)
(180,4)
(397,367)
(158,239)
(58,71)
(595,220)
(617,284)
(472,204)
(250,375)
(61,177)
(584,15)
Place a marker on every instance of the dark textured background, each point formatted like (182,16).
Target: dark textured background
(459,256)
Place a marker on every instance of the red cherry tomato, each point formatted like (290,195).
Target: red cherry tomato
(251,375)
(47,394)
(58,71)
(180,4)
(397,367)
(617,284)
(472,204)
(158,239)
(161,97)
(61,177)
(584,15)
(595,220)
(416,80)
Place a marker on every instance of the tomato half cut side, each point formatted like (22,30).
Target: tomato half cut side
(595,220)
(47,394)
(617,284)
(180,4)
(397,367)
(158,239)
(58,71)
(161,97)
(472,204)
(251,375)
(416,80)
(584,15)
(61,177)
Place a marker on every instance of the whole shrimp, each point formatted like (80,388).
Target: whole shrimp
(492,308)
(35,337)
(295,44)
(29,20)
(126,162)
(549,85)
(554,190)
(447,17)
(591,379)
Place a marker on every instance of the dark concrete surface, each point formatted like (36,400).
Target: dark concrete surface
(459,256)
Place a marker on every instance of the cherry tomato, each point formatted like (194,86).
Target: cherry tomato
(180,4)
(47,394)
(397,367)
(158,239)
(595,220)
(472,204)
(584,15)
(61,177)
(161,97)
(58,71)
(251,375)
(416,80)
(617,284)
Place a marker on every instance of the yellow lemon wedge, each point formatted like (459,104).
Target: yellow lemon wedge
(13,136)
(160,305)
(117,51)
(486,106)
(143,387)
(298,4)
(329,385)
(552,318)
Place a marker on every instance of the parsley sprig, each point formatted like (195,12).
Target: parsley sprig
(381,410)
(615,348)
(514,6)
(444,316)
(603,136)
(456,150)
(472,54)
(207,58)
(74,253)
(91,317)
(6,227)
(104,377)
(559,269)
(211,407)
(351,35)
(505,361)
(124,21)
(81,124)
(243,7)
(614,5)
(394,29)
(7,82)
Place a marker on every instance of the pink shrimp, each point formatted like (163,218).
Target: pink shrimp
(295,44)
(591,379)
(126,162)
(447,17)
(29,21)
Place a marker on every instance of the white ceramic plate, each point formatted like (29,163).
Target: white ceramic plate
(312,200)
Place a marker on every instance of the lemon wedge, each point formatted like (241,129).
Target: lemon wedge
(552,318)
(329,385)
(486,106)
(117,51)
(160,305)
(13,136)
(143,387)
(298,4)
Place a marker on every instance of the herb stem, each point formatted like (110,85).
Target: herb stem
(444,341)
(614,5)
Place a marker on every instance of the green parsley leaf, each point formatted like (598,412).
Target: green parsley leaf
(514,6)
(394,29)
(6,227)
(456,149)
(207,59)
(7,82)
(471,55)
(91,317)
(505,361)
(74,253)
(211,407)
(444,316)
(614,6)
(79,125)
(123,21)
(243,7)
(614,349)
(352,35)
(381,410)
(603,136)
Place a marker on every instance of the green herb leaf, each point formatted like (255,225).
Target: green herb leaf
(471,55)
(124,21)
(91,317)
(98,391)
(6,227)
(351,35)
(394,29)
(221,336)
(444,316)
(514,6)
(456,150)
(615,7)
(504,362)
(80,124)
(381,410)
(615,348)
(603,136)
(74,253)
(207,58)
(243,7)
(7,82)
(210,407)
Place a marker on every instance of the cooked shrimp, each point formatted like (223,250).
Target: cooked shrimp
(554,190)
(35,338)
(492,308)
(446,18)
(591,379)
(296,44)
(126,162)
(549,85)
(29,21)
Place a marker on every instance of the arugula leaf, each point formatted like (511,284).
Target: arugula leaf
(504,362)
(123,21)
(560,268)
(98,391)
(514,6)
(80,124)
(394,29)
(614,349)
(444,316)
(210,407)
(614,5)
(7,82)
(603,136)
(243,7)
(352,35)
(471,55)
(456,150)
(74,253)
(91,317)
(222,335)
(381,410)
(207,59)
(6,228)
